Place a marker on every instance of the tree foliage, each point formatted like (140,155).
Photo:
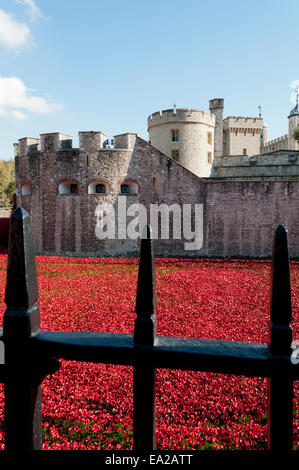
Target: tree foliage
(7,179)
(296,134)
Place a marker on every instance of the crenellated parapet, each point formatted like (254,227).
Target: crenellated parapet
(26,145)
(125,141)
(89,142)
(55,141)
(279,143)
(240,124)
(181,115)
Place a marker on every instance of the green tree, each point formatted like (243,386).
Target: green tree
(7,179)
(296,134)
(10,189)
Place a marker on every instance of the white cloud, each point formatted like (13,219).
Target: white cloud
(14,95)
(18,115)
(32,8)
(13,34)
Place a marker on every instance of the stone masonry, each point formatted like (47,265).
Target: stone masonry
(239,217)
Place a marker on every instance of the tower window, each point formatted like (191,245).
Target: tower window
(26,189)
(125,189)
(210,138)
(210,157)
(100,188)
(175,154)
(128,187)
(244,151)
(175,135)
(68,188)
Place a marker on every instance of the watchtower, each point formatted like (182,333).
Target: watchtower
(216,106)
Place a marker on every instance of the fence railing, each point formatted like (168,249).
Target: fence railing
(4,223)
(31,354)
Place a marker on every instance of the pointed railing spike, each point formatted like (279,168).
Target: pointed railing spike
(280,384)
(21,267)
(20,322)
(281,306)
(146,287)
(21,293)
(145,323)
(144,335)
(281,309)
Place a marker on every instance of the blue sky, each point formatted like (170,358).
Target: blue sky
(106,65)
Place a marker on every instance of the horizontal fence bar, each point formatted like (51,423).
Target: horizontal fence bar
(226,357)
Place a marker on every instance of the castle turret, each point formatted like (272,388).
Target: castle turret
(186,135)
(216,107)
(264,136)
(293,123)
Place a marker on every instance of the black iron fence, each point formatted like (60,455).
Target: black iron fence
(31,354)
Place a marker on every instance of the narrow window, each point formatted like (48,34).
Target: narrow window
(210,157)
(244,151)
(210,138)
(175,154)
(67,188)
(26,189)
(100,188)
(175,135)
(129,188)
(125,189)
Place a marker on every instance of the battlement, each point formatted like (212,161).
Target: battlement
(125,141)
(240,121)
(89,141)
(181,115)
(26,145)
(278,139)
(276,144)
(216,103)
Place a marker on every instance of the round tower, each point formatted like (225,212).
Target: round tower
(293,123)
(264,135)
(216,106)
(186,135)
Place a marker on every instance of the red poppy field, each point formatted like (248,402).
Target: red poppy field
(89,406)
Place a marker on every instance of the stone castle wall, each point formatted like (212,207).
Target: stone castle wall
(239,217)
(282,166)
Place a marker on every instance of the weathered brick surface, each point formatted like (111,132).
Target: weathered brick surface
(239,216)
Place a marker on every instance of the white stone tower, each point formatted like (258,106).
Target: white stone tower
(186,135)
(293,123)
